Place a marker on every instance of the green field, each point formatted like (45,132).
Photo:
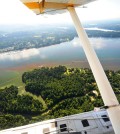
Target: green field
(8,77)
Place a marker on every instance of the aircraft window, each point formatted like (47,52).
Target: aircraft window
(46,130)
(107,127)
(105,118)
(63,127)
(25,133)
(85,123)
(54,124)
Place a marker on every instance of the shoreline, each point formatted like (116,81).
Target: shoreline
(70,64)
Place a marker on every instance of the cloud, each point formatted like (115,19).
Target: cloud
(17,55)
(97,43)
(76,42)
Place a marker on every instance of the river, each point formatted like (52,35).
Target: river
(67,53)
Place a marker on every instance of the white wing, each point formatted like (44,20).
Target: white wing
(42,6)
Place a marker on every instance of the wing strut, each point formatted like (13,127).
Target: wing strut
(104,86)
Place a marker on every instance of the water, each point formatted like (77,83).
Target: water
(107,49)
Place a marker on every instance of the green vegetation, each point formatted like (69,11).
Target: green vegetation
(35,38)
(13,104)
(8,78)
(50,93)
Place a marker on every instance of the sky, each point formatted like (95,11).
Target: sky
(14,12)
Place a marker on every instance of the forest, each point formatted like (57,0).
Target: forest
(63,91)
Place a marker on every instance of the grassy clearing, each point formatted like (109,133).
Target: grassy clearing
(8,78)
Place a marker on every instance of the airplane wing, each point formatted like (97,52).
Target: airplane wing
(42,6)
